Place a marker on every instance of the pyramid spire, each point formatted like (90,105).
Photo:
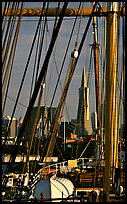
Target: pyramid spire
(83,115)
(84,82)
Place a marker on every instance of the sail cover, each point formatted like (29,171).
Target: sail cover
(54,187)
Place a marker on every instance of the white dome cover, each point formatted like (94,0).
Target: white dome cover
(53,188)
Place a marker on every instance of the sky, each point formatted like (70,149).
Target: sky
(27,31)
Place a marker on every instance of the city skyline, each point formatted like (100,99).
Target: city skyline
(26,34)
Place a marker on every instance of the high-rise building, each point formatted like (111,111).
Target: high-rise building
(13,128)
(45,119)
(83,115)
(94,120)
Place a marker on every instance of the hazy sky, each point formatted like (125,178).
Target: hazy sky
(27,31)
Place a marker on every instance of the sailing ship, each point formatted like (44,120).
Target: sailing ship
(108,100)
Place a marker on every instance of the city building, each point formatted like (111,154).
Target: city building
(45,119)
(12,131)
(94,121)
(83,115)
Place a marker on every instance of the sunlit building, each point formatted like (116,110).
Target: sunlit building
(83,115)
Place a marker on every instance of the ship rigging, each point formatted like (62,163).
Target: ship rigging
(106,83)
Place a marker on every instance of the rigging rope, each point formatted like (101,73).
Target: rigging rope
(23,78)
(5,36)
(10,61)
(40,51)
(34,128)
(76,42)
(37,87)
(89,71)
(4,9)
(66,51)
(18,102)
(58,80)
(8,41)
(70,71)
(56,15)
(41,43)
(4,18)
(35,61)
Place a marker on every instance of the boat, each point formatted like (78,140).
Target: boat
(106,163)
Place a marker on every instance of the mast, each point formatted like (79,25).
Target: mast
(45,125)
(35,92)
(96,66)
(111,157)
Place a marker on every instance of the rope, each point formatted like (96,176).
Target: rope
(39,47)
(8,27)
(85,148)
(8,42)
(4,18)
(41,43)
(18,102)
(68,78)
(34,128)
(89,71)
(76,42)
(60,75)
(35,61)
(11,60)
(61,69)
(38,83)
(22,80)
(5,6)
(56,16)
(39,56)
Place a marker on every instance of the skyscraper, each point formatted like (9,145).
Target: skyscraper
(83,115)
(94,120)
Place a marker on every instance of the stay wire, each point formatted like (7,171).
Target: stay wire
(11,60)
(23,78)
(40,50)
(66,51)
(4,18)
(5,6)
(65,55)
(43,71)
(77,36)
(4,37)
(7,41)
(71,69)
(42,41)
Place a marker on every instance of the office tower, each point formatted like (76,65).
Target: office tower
(83,115)
(94,120)
(13,128)
(45,119)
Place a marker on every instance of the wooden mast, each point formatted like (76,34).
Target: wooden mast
(111,158)
(96,66)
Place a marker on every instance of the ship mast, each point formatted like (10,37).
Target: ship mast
(111,162)
(111,157)
(96,66)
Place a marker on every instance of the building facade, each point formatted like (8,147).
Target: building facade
(83,115)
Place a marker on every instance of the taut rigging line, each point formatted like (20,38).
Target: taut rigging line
(74,59)
(36,89)
(23,78)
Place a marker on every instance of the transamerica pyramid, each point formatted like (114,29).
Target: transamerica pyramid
(83,115)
